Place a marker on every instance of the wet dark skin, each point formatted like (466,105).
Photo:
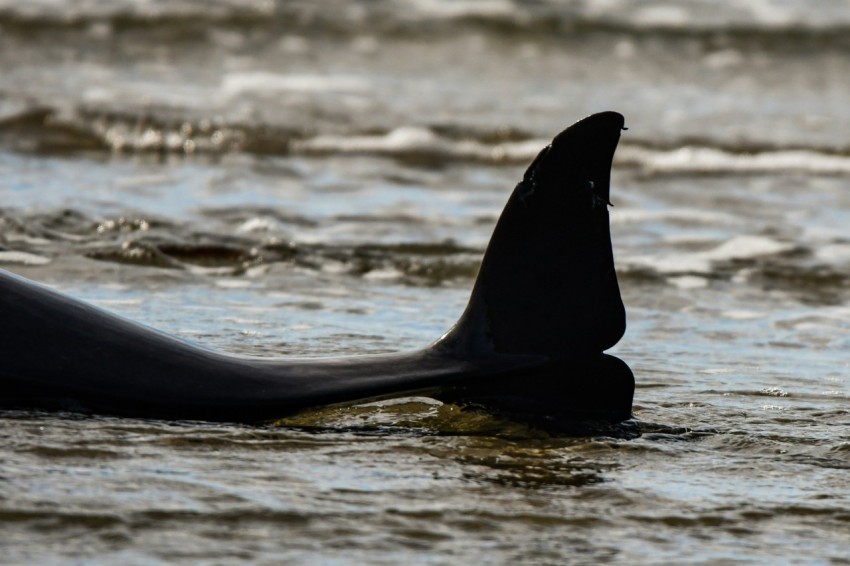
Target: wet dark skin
(545,306)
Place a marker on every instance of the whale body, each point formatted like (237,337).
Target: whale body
(544,307)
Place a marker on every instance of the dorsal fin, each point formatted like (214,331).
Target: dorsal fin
(547,283)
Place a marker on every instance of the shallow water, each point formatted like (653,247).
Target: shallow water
(277,180)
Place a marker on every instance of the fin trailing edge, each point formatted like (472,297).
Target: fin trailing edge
(547,284)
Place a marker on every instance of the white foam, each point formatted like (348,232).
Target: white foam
(119,303)
(233,283)
(833,253)
(689,159)
(25,239)
(669,263)
(463,8)
(742,315)
(689,215)
(745,247)
(234,84)
(773,13)
(666,16)
(23,258)
(415,139)
(388,274)
(694,159)
(689,282)
(738,247)
(401,138)
(259,224)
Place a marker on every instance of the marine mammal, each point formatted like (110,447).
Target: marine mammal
(545,305)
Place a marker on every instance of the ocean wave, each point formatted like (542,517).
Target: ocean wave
(415,143)
(37,239)
(695,159)
(748,21)
(738,248)
(43,130)
(40,240)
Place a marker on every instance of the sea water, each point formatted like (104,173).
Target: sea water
(301,179)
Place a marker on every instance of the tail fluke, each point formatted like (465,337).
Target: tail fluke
(547,283)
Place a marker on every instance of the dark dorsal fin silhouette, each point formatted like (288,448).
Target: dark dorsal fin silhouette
(547,283)
(544,306)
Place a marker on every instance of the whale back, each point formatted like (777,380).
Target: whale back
(547,283)
(544,305)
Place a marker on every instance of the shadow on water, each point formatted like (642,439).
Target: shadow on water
(425,417)
(489,449)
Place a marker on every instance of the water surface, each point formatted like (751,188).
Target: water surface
(282,180)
